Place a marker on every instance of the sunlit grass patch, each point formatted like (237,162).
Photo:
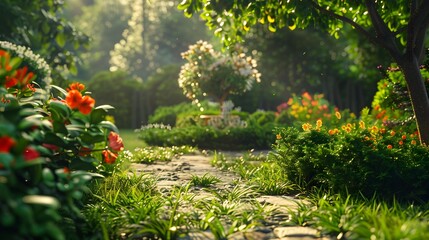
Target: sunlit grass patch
(204,181)
(258,171)
(151,154)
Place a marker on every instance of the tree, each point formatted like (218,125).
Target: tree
(209,73)
(41,26)
(399,27)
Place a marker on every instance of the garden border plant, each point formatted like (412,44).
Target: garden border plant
(50,148)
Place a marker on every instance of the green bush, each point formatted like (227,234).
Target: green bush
(392,105)
(122,92)
(262,117)
(206,137)
(355,159)
(51,144)
(181,113)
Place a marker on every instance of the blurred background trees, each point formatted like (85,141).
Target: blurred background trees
(148,36)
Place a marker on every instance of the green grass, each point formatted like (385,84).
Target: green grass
(130,206)
(131,140)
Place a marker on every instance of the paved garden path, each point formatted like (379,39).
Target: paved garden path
(179,172)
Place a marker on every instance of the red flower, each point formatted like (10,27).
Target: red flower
(86,104)
(73,99)
(109,157)
(21,76)
(52,147)
(6,143)
(10,81)
(115,142)
(76,86)
(7,59)
(84,151)
(30,154)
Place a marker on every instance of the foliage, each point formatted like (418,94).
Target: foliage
(259,172)
(111,24)
(356,218)
(169,115)
(131,206)
(399,27)
(50,148)
(392,105)
(206,137)
(41,26)
(162,81)
(309,108)
(122,91)
(356,158)
(205,180)
(208,73)
(151,154)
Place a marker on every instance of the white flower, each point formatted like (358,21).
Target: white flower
(33,60)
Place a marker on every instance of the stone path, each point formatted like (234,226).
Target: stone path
(179,172)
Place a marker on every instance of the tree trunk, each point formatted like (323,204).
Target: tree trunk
(418,95)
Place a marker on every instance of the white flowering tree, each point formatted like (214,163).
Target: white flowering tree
(209,73)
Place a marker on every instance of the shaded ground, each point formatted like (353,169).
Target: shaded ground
(179,172)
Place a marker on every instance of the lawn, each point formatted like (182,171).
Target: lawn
(130,139)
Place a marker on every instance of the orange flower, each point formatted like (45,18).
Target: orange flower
(86,104)
(109,157)
(115,142)
(401,143)
(389,146)
(413,142)
(278,136)
(76,86)
(73,99)
(392,133)
(6,143)
(21,77)
(307,96)
(332,131)
(404,137)
(362,124)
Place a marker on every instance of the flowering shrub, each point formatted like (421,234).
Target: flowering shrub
(391,106)
(355,157)
(212,74)
(50,147)
(304,108)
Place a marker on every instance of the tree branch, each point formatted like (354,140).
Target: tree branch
(349,21)
(384,35)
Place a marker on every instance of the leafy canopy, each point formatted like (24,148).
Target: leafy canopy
(232,19)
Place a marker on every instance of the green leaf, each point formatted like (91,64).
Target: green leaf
(61,110)
(97,115)
(41,200)
(73,69)
(15,62)
(105,107)
(109,125)
(64,92)
(61,39)
(6,159)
